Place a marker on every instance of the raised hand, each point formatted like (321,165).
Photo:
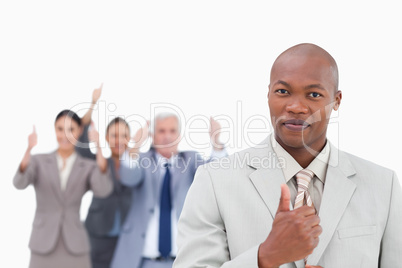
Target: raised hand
(32,139)
(214,133)
(141,135)
(96,94)
(86,119)
(93,134)
(294,234)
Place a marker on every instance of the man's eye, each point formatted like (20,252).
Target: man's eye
(282,91)
(315,94)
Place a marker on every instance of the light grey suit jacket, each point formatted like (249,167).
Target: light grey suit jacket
(56,210)
(230,208)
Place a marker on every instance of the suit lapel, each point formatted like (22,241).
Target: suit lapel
(268,182)
(178,173)
(154,177)
(268,176)
(338,191)
(54,175)
(117,187)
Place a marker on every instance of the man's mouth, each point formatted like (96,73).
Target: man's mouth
(296,124)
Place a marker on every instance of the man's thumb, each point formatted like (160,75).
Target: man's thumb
(284,201)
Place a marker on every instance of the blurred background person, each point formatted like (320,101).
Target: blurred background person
(160,179)
(106,215)
(60,179)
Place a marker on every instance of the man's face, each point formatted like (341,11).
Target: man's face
(166,136)
(301,97)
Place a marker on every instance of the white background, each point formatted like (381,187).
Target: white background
(206,57)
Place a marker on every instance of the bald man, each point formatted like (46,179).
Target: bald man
(294,200)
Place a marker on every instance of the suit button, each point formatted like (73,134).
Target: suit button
(151,211)
(143,235)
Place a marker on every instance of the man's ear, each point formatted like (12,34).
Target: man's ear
(338,98)
(268,91)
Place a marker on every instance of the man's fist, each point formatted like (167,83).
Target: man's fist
(214,133)
(293,236)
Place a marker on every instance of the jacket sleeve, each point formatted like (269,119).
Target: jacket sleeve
(100,183)
(198,159)
(23,179)
(391,244)
(202,240)
(82,148)
(131,173)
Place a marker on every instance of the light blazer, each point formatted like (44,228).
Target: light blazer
(131,242)
(58,210)
(230,209)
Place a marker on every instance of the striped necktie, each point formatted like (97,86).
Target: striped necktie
(303,178)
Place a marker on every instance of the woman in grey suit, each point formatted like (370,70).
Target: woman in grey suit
(60,179)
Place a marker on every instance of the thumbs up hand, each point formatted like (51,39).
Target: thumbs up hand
(93,134)
(293,236)
(284,201)
(32,139)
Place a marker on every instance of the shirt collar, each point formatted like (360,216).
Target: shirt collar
(291,167)
(69,160)
(161,160)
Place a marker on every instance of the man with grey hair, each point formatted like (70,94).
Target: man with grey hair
(160,179)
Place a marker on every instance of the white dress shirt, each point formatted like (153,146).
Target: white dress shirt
(151,246)
(290,168)
(65,168)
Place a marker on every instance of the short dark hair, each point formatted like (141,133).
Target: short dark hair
(116,121)
(70,114)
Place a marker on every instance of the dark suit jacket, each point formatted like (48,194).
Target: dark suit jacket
(82,147)
(101,214)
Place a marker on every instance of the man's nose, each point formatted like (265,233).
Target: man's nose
(296,106)
(168,137)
